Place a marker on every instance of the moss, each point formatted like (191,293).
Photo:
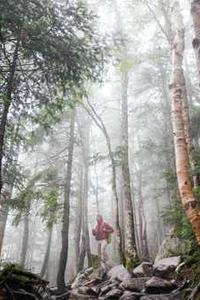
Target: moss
(131,260)
(95,262)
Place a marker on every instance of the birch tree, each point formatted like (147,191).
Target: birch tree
(177,94)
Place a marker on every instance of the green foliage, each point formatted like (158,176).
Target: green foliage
(131,260)
(9,267)
(183,230)
(195,121)
(57,49)
(170,177)
(47,195)
(50,206)
(176,216)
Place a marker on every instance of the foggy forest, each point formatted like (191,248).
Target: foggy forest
(100,149)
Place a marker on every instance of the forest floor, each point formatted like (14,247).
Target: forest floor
(167,279)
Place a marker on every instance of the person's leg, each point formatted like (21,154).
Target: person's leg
(104,255)
(99,251)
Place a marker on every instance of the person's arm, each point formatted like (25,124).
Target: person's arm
(94,231)
(108,228)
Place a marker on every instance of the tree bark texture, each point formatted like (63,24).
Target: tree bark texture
(130,244)
(177,90)
(85,251)
(47,252)
(25,239)
(6,106)
(66,211)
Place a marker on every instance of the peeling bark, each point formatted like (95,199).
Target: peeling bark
(177,93)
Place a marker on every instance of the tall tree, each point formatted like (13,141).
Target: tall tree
(25,238)
(127,197)
(78,218)
(84,131)
(118,232)
(177,93)
(46,50)
(47,252)
(66,211)
(195,10)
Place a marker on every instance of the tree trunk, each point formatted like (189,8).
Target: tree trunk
(129,220)
(118,233)
(78,219)
(195,11)
(6,106)
(177,89)
(47,253)
(84,130)
(65,220)
(25,240)
(3,220)
(142,220)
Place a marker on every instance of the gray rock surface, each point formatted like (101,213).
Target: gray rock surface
(145,269)
(134,284)
(157,285)
(127,295)
(119,272)
(166,266)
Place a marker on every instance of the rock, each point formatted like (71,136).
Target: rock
(162,297)
(145,269)
(157,285)
(74,295)
(81,278)
(105,289)
(119,272)
(164,267)
(83,290)
(172,244)
(127,295)
(113,294)
(135,284)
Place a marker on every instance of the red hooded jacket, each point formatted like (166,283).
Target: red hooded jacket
(102,230)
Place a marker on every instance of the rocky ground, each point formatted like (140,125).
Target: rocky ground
(166,279)
(159,281)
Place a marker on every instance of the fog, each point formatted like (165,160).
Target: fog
(109,150)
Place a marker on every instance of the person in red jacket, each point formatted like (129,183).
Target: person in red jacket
(102,233)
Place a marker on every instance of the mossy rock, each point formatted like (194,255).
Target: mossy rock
(96,262)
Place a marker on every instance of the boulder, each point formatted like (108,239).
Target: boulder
(113,294)
(157,285)
(106,289)
(145,269)
(162,297)
(127,295)
(119,272)
(81,278)
(164,267)
(134,284)
(74,295)
(83,290)
(173,244)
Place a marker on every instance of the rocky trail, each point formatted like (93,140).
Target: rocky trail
(159,281)
(167,279)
